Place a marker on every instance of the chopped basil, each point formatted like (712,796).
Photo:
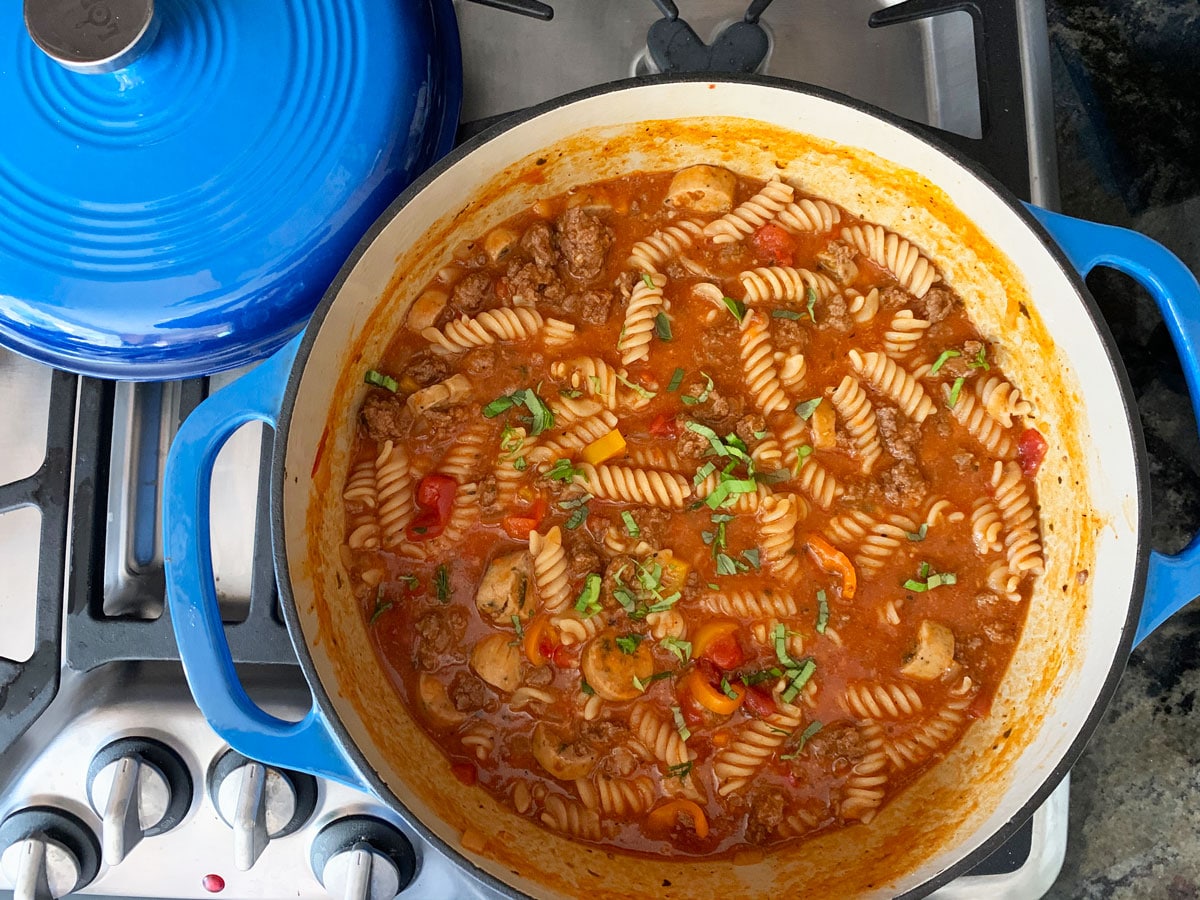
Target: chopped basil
(751,679)
(681,648)
(563,471)
(517,626)
(924,569)
(779,638)
(412,581)
(680,770)
(703,472)
(727,565)
(822,612)
(713,586)
(587,689)
(570,393)
(680,724)
(786,314)
(631,526)
(802,455)
(751,556)
(441,581)
(736,307)
(588,603)
(689,400)
(378,379)
(805,736)
(919,534)
(642,685)
(936,581)
(946,354)
(637,388)
(578,517)
(811,296)
(807,408)
(927,580)
(917,586)
(380,606)
(647,280)
(952,400)
(797,681)
(628,643)
(676,380)
(541,416)
(662,327)
(704,431)
(727,690)
(625,597)
(520,464)
(759,435)
(980,360)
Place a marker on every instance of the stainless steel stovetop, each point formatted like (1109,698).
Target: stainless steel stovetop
(81,596)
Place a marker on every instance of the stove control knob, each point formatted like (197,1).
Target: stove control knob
(47,853)
(140,787)
(363,858)
(259,803)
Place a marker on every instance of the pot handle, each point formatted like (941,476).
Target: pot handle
(1171,581)
(306,745)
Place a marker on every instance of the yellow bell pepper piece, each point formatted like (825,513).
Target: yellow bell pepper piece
(603,448)
(674,571)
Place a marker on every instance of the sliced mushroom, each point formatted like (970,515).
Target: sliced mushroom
(703,189)
(444,393)
(561,756)
(497,662)
(426,309)
(503,591)
(436,704)
(499,242)
(610,669)
(934,653)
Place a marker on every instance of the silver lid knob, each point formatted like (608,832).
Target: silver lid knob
(91,35)
(259,803)
(139,787)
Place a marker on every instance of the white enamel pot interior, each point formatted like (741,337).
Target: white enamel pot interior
(1019,293)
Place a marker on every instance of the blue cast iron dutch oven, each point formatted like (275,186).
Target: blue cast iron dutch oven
(1019,270)
(181,180)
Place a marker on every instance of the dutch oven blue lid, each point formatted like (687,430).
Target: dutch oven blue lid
(178,206)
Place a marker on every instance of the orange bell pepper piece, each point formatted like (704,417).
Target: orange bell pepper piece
(665,816)
(711,698)
(835,562)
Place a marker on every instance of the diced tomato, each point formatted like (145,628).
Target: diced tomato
(563,657)
(726,652)
(760,702)
(695,715)
(465,772)
(1031,450)
(436,491)
(775,244)
(664,426)
(518,527)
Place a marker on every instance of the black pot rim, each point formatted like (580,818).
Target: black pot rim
(287,601)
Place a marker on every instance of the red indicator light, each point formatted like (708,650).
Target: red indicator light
(214,884)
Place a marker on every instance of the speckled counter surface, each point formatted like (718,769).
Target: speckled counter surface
(1127,103)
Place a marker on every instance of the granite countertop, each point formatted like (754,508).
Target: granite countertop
(1127,105)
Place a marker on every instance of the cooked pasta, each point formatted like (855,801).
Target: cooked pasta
(915,273)
(772,199)
(664,526)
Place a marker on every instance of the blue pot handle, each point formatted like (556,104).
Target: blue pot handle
(306,745)
(1172,581)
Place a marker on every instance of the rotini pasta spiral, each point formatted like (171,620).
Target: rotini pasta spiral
(394,488)
(1002,400)
(851,403)
(571,440)
(905,333)
(879,700)
(549,569)
(571,817)
(986,526)
(645,303)
(574,629)
(763,604)
(647,487)
(784,284)
(511,466)
(877,540)
(895,382)
(592,375)
(490,326)
(819,483)
(557,333)
(616,796)
(758,363)
(755,743)
(971,415)
(792,369)
(777,518)
(904,750)
(768,454)
(738,503)
(806,215)
(864,790)
(465,457)
(863,307)
(751,215)
(1021,544)
(479,737)
(650,253)
(887,249)
(668,623)
(658,735)
(572,409)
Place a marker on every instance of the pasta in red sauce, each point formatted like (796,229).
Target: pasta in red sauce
(690,513)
